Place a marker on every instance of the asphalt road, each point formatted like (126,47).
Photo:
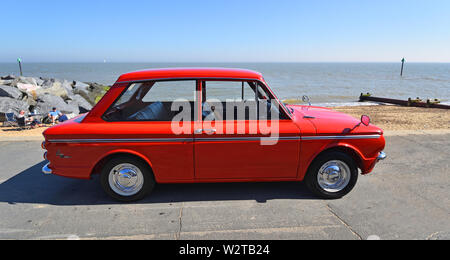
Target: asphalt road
(407,197)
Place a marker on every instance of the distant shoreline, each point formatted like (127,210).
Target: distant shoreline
(225,62)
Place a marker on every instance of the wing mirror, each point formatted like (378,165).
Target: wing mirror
(365,120)
(306,100)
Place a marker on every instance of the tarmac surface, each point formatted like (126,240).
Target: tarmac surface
(406,197)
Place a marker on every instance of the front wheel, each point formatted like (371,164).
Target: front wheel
(127,179)
(332,175)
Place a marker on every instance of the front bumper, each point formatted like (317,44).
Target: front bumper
(381,156)
(46,169)
(370,163)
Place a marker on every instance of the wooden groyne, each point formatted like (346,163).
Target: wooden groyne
(410,102)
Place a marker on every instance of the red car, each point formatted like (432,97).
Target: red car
(191,125)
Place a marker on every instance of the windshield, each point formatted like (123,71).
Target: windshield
(80,118)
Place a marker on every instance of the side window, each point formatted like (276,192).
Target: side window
(228,100)
(154,101)
(237,100)
(268,107)
(128,94)
(228,90)
(171,91)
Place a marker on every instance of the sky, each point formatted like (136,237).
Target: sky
(225,31)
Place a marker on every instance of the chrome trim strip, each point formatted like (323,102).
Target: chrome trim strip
(212,139)
(340,137)
(143,140)
(167,140)
(259,138)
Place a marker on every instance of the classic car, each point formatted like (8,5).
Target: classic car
(196,125)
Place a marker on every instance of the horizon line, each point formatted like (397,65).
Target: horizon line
(225,62)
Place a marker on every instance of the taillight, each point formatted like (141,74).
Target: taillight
(43,145)
(45,156)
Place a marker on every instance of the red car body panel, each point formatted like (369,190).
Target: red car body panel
(79,147)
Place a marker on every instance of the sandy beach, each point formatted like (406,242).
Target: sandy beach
(394,120)
(398,118)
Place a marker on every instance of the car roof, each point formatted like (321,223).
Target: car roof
(188,73)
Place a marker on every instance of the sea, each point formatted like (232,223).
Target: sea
(326,84)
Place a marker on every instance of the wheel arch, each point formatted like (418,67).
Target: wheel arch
(341,147)
(116,153)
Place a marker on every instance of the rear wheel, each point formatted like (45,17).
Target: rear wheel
(332,175)
(127,179)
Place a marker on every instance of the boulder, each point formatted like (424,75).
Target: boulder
(30,100)
(9,77)
(80,86)
(95,92)
(12,92)
(53,88)
(27,88)
(28,80)
(10,105)
(68,87)
(69,97)
(83,105)
(46,102)
(47,83)
(95,87)
(39,81)
(7,82)
(86,95)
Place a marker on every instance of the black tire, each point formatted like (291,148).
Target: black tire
(148,178)
(311,178)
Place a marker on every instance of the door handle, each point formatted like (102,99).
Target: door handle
(207,131)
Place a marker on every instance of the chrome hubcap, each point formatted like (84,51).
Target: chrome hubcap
(126,179)
(334,176)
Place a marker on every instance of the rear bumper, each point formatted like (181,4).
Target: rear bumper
(68,172)
(46,169)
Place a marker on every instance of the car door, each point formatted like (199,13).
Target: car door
(234,141)
(155,120)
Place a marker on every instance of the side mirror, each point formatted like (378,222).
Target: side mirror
(306,100)
(365,120)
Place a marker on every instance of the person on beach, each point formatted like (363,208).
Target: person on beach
(54,115)
(28,120)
